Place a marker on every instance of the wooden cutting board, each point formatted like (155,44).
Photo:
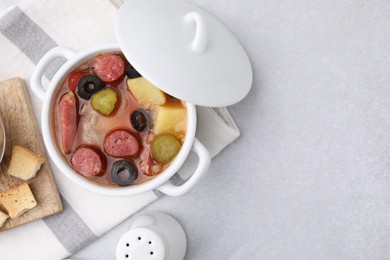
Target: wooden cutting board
(22,129)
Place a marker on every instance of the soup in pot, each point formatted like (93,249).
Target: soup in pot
(113,126)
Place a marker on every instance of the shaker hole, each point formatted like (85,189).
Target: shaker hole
(151,252)
(150,242)
(127,256)
(139,238)
(127,244)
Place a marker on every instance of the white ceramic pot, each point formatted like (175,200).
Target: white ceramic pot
(182,50)
(161,181)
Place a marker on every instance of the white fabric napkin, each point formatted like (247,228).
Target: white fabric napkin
(27,32)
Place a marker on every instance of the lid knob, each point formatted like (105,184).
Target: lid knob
(199,43)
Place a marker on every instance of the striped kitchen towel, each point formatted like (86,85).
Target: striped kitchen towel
(27,32)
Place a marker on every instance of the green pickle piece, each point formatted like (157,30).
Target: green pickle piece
(104,101)
(164,147)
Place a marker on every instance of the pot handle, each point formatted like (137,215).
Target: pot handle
(44,62)
(204,163)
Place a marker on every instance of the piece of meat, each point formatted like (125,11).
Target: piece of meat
(88,161)
(91,129)
(148,165)
(109,67)
(146,162)
(73,79)
(67,113)
(120,143)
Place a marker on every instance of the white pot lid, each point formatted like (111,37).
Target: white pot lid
(184,51)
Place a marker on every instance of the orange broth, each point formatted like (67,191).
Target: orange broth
(93,127)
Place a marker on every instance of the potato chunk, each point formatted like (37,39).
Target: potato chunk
(145,92)
(168,119)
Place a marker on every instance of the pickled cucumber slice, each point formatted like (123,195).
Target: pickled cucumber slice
(104,101)
(164,148)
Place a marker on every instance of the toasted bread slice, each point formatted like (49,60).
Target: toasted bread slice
(18,200)
(24,163)
(3,218)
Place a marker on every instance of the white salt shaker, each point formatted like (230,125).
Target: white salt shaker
(154,236)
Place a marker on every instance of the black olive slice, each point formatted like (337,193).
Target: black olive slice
(89,85)
(131,72)
(139,120)
(123,172)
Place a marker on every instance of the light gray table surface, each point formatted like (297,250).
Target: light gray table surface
(309,176)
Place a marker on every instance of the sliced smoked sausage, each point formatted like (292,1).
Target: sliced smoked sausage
(120,143)
(88,161)
(67,112)
(109,67)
